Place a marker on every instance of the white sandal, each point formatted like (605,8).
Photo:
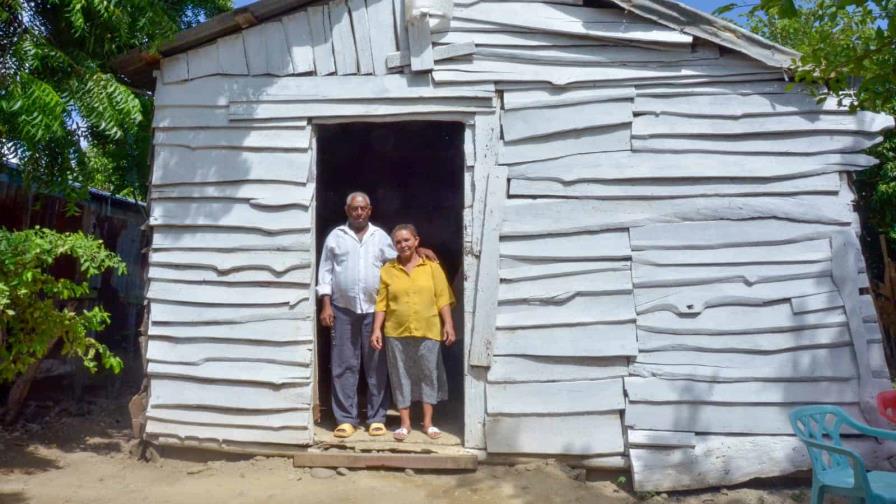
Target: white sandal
(400,434)
(433,432)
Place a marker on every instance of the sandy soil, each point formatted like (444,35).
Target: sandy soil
(83,457)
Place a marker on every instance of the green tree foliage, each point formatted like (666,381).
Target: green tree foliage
(849,52)
(38,309)
(65,117)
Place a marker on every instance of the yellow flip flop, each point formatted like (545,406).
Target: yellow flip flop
(376,429)
(344,430)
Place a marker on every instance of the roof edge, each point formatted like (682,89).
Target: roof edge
(695,22)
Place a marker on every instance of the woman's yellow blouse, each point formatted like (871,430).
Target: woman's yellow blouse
(412,300)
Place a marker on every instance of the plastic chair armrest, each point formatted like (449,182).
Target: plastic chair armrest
(887,435)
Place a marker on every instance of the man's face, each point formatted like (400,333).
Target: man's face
(358,212)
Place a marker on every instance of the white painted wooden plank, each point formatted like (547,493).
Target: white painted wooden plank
(361,29)
(741,320)
(321,39)
(205,238)
(224,294)
(298,39)
(487,309)
(605,139)
(825,183)
(256,50)
(232,55)
(559,289)
(614,166)
(727,460)
(656,390)
(173,392)
(212,117)
(816,302)
(420,43)
(295,418)
(594,22)
(799,252)
(469,161)
(555,398)
(401,28)
(277,50)
(397,86)
(173,312)
(178,165)
(658,125)
(593,340)
(197,351)
(286,436)
(505,37)
(481,69)
(734,105)
(487,136)
(189,274)
(256,193)
(439,53)
(695,299)
(714,418)
(602,55)
(248,138)
(228,213)
(343,41)
(535,122)
(867,308)
(660,438)
(280,331)
(203,61)
(772,86)
(507,369)
(382,33)
(719,234)
(513,270)
(369,107)
(474,377)
(175,68)
(877,361)
(552,97)
(873,332)
(761,342)
(665,276)
(546,216)
(560,435)
(790,143)
(233,371)
(611,244)
(578,310)
(229,261)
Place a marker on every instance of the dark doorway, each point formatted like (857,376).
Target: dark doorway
(414,173)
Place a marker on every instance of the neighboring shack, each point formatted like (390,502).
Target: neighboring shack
(660,257)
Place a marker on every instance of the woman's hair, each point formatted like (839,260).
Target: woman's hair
(405,227)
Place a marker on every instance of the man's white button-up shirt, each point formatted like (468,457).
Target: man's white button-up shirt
(350,268)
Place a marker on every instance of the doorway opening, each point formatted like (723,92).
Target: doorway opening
(413,172)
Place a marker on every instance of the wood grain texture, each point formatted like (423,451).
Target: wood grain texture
(265,194)
(198,351)
(555,398)
(343,41)
(507,369)
(419,43)
(646,126)
(361,29)
(247,138)
(439,53)
(594,340)
(175,68)
(382,33)
(552,97)
(225,294)
(298,39)
(487,136)
(594,55)
(179,392)
(668,439)
(256,50)
(321,39)
(712,235)
(741,320)
(561,288)
(789,143)
(369,107)
(734,105)
(232,55)
(610,244)
(581,309)
(212,117)
(759,342)
(513,270)
(274,331)
(223,239)
(179,165)
(601,139)
(656,390)
(175,312)
(295,418)
(277,50)
(231,261)
(228,213)
(297,278)
(613,166)
(815,302)
(286,436)
(798,252)
(233,371)
(560,435)
(527,123)
(203,61)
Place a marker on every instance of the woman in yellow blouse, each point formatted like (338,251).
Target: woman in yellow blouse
(413,296)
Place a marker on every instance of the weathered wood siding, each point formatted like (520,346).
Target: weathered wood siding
(659,236)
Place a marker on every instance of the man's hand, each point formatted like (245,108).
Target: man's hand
(427,254)
(448,335)
(376,340)
(326,313)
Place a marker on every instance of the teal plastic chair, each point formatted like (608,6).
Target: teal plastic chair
(835,468)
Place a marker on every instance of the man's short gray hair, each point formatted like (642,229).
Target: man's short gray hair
(357,194)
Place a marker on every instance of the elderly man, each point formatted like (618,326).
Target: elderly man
(347,282)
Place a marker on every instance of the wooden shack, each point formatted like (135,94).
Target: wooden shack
(656,245)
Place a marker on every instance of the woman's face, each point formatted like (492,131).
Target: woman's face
(405,243)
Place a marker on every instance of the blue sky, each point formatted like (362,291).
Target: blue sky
(705,5)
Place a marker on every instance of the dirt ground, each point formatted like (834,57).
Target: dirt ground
(69,454)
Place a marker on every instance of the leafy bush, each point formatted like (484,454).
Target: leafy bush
(37,309)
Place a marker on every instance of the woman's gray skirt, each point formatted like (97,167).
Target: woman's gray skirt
(416,371)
